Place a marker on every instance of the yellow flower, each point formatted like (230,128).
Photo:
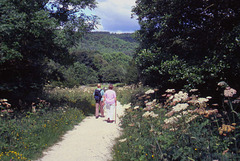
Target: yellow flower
(195,148)
(152,156)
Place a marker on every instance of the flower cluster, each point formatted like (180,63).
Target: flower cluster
(179,104)
(178,97)
(5,107)
(226,129)
(229,92)
(179,107)
(150,105)
(170,91)
(151,114)
(171,120)
(13,155)
(150,91)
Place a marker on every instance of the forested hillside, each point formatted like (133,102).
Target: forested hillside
(106,42)
(99,57)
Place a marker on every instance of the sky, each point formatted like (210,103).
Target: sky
(115,16)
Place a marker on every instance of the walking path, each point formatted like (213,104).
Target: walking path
(91,140)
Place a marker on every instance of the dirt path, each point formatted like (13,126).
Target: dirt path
(91,140)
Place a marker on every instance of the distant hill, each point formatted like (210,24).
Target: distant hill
(106,42)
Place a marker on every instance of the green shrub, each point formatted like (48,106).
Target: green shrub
(182,128)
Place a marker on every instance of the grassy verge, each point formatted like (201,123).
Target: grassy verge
(23,136)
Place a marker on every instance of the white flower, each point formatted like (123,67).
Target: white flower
(171,120)
(149,104)
(209,97)
(180,107)
(193,90)
(202,100)
(170,90)
(127,106)
(146,114)
(176,100)
(191,118)
(136,107)
(149,91)
(180,96)
(171,97)
(123,140)
(152,114)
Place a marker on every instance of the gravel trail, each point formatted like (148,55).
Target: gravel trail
(91,140)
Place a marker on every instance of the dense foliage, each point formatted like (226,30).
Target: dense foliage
(34,33)
(188,43)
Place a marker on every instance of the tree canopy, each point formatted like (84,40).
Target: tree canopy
(32,34)
(187,42)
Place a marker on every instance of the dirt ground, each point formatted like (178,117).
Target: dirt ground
(91,140)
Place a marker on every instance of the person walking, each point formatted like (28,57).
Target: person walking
(111,103)
(98,93)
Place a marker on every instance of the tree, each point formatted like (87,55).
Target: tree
(32,33)
(79,74)
(189,43)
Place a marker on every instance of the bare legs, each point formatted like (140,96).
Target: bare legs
(97,110)
(101,109)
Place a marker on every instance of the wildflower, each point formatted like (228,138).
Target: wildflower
(209,97)
(136,107)
(123,140)
(156,89)
(3,100)
(191,118)
(180,107)
(229,92)
(146,114)
(222,84)
(234,124)
(202,100)
(170,96)
(171,120)
(193,90)
(150,91)
(127,106)
(152,114)
(170,91)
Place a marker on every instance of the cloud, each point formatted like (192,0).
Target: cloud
(115,15)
